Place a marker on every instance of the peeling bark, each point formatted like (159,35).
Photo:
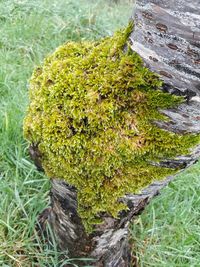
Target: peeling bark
(167,37)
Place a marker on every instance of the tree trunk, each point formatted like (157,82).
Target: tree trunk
(167,37)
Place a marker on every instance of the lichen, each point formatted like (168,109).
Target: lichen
(92,111)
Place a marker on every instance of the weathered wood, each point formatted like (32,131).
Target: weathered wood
(109,244)
(167,37)
(184,119)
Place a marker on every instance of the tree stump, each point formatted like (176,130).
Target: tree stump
(167,37)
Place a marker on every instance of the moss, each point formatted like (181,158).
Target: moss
(91,112)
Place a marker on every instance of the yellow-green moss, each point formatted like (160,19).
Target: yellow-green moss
(91,112)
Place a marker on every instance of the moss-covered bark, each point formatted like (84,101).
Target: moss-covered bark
(103,123)
(92,114)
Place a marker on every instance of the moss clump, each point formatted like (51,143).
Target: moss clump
(91,112)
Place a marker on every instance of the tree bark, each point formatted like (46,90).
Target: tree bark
(167,36)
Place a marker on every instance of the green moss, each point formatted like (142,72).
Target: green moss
(91,112)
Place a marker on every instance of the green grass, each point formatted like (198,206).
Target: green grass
(167,234)
(30,30)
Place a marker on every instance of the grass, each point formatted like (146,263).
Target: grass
(167,234)
(29,31)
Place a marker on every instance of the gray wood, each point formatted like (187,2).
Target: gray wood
(167,36)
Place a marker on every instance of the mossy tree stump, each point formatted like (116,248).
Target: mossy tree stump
(109,132)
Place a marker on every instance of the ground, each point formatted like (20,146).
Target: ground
(167,234)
